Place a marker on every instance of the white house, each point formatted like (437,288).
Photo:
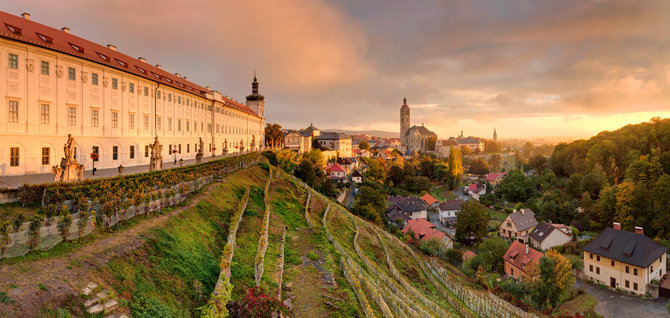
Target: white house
(448,210)
(546,235)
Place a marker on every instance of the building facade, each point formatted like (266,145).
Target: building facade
(416,138)
(338,142)
(629,261)
(299,141)
(518,225)
(55,84)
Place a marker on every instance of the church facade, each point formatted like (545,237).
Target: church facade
(414,138)
(56,84)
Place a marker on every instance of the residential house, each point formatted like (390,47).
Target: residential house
(430,200)
(336,172)
(407,208)
(475,190)
(443,147)
(518,225)
(424,230)
(495,178)
(357,177)
(448,210)
(468,255)
(625,260)
(546,235)
(519,259)
(347,163)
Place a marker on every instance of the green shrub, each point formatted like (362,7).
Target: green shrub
(149,308)
(313,255)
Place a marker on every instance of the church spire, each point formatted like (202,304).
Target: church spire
(404,100)
(495,134)
(254,85)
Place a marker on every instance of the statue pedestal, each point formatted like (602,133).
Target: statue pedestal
(155,163)
(68,171)
(198,157)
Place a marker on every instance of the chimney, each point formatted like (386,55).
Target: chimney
(185,77)
(111,47)
(639,230)
(66,30)
(617,226)
(25,15)
(177,74)
(158,66)
(527,249)
(207,87)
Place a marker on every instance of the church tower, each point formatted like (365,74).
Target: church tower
(255,101)
(495,135)
(404,120)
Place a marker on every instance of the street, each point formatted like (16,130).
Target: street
(613,304)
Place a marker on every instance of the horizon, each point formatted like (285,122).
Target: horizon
(547,69)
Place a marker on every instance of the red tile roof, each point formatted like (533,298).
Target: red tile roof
(336,168)
(468,255)
(23,30)
(516,255)
(429,199)
(494,176)
(423,230)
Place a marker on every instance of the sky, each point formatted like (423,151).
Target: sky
(527,68)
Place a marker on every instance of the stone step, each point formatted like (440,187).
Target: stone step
(91,302)
(102,295)
(110,305)
(95,309)
(89,288)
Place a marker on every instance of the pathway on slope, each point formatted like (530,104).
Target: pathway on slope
(69,273)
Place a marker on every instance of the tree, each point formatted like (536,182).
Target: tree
(624,206)
(494,162)
(4,237)
(374,170)
(556,275)
(538,162)
(594,181)
(427,167)
(316,157)
(488,199)
(455,164)
(370,204)
(573,186)
(527,149)
(516,187)
(479,166)
(466,150)
(305,171)
(430,143)
(364,145)
(491,253)
(491,146)
(471,219)
(274,137)
(395,175)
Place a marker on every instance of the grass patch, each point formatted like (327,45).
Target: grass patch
(579,304)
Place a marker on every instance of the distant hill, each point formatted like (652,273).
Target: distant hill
(377,133)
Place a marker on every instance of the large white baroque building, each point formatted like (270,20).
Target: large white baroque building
(54,83)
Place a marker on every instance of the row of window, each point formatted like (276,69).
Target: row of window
(14,153)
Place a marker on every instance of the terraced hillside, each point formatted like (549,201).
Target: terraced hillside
(255,227)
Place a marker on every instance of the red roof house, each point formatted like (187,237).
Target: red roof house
(430,200)
(519,257)
(424,230)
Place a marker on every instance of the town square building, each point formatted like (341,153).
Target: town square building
(57,84)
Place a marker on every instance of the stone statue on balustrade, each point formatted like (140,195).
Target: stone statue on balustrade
(68,169)
(200,154)
(156,160)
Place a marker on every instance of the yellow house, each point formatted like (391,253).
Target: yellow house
(625,260)
(518,225)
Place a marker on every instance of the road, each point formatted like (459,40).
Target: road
(352,194)
(613,304)
(435,219)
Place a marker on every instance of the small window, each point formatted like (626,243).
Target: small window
(72,116)
(158,123)
(13,111)
(94,118)
(94,78)
(132,152)
(146,122)
(131,88)
(598,270)
(45,38)
(169,97)
(44,114)
(13,61)
(591,255)
(115,152)
(188,125)
(598,258)
(102,56)
(590,268)
(178,124)
(13,29)
(77,47)
(14,156)
(115,119)
(96,151)
(45,156)
(71,75)
(44,68)
(635,271)
(146,91)
(131,121)
(158,94)
(635,286)
(146,151)
(179,100)
(612,263)
(169,124)
(179,149)
(627,284)
(122,63)
(188,148)
(115,83)
(627,270)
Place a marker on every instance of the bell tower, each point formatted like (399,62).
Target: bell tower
(404,120)
(256,101)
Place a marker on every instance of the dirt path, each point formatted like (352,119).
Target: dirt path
(31,284)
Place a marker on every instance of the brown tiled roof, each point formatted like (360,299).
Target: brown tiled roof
(516,255)
(523,219)
(627,247)
(27,31)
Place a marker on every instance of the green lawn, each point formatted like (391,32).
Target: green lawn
(579,304)
(496,215)
(442,194)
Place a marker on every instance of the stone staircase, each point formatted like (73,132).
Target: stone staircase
(99,301)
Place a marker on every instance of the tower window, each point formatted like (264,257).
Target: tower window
(14,156)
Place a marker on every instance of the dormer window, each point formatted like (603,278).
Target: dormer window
(124,64)
(77,47)
(156,75)
(45,38)
(104,57)
(13,29)
(141,69)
